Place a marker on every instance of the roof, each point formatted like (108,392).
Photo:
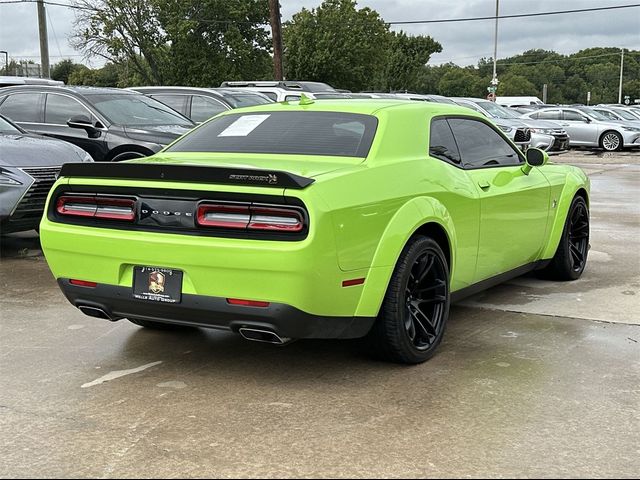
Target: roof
(78,90)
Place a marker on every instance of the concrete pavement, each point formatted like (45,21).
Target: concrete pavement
(532,380)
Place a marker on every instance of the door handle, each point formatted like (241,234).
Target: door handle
(483,184)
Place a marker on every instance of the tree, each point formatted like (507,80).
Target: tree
(517,85)
(216,40)
(406,59)
(338,44)
(63,69)
(460,82)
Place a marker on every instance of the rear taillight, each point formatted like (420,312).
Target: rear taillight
(112,208)
(250,217)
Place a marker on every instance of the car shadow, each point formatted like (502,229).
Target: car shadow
(21,244)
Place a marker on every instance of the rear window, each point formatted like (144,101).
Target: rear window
(296,133)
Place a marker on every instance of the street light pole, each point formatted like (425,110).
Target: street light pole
(621,67)
(494,80)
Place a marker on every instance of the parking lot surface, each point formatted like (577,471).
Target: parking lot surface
(534,378)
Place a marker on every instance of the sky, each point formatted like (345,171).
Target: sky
(462,43)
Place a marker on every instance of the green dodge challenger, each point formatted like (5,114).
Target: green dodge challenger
(326,219)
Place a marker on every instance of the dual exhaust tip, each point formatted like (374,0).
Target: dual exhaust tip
(264,336)
(252,334)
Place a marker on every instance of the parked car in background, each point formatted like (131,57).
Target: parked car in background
(282,91)
(11,81)
(547,136)
(109,123)
(589,129)
(618,114)
(515,129)
(200,104)
(330,219)
(425,98)
(518,101)
(29,165)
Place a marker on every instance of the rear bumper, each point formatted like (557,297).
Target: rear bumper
(214,312)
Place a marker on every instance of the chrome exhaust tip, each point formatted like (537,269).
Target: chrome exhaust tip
(264,336)
(96,312)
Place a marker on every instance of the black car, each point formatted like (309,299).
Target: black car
(200,104)
(29,164)
(109,123)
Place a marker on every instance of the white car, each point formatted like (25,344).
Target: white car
(285,91)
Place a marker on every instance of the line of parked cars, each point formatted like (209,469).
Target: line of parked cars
(83,124)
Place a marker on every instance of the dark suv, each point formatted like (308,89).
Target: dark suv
(109,123)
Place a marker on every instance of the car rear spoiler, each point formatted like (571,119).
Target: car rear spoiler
(186,173)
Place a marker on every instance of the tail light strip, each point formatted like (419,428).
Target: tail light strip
(113,208)
(250,217)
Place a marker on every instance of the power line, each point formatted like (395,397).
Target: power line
(519,15)
(48,2)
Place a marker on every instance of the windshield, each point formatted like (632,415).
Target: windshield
(593,114)
(237,100)
(624,114)
(497,111)
(6,127)
(294,132)
(135,110)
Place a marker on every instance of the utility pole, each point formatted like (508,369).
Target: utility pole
(494,80)
(44,39)
(276,35)
(621,67)
(6,62)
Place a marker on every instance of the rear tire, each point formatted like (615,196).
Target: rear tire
(415,309)
(158,325)
(570,259)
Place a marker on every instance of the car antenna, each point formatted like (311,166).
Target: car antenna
(304,100)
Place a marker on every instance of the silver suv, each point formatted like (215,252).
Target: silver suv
(588,128)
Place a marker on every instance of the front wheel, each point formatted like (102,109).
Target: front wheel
(415,309)
(611,141)
(571,257)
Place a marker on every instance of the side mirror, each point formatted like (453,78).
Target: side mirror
(84,122)
(534,158)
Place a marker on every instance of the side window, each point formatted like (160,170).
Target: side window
(203,108)
(292,98)
(442,145)
(480,145)
(548,115)
(573,116)
(59,109)
(177,102)
(23,107)
(273,96)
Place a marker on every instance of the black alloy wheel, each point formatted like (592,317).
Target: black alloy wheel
(425,300)
(579,237)
(415,309)
(570,259)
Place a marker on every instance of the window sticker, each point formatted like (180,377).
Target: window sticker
(243,126)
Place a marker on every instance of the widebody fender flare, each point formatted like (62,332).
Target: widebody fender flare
(575,182)
(406,222)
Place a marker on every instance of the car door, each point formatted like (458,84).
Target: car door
(26,109)
(514,206)
(581,130)
(58,110)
